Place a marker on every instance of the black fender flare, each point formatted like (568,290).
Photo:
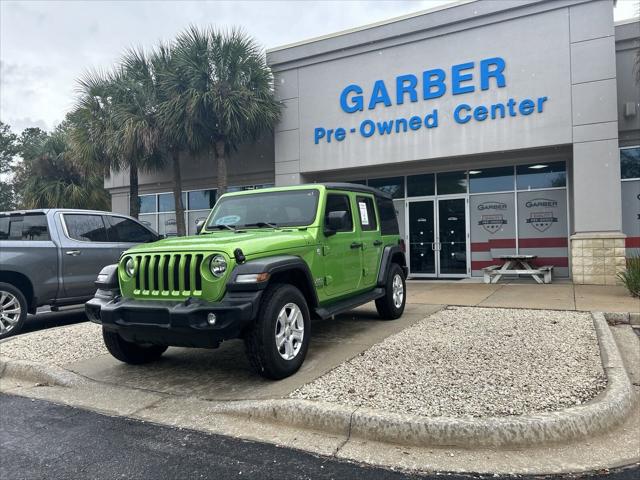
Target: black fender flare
(274,265)
(388,254)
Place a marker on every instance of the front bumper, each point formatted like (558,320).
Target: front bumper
(174,323)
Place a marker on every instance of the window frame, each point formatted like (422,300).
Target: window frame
(324,213)
(151,231)
(371,212)
(631,179)
(65,228)
(27,214)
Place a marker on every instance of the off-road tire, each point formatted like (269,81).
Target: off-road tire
(129,352)
(260,341)
(19,296)
(386,305)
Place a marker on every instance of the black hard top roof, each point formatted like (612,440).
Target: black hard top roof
(356,187)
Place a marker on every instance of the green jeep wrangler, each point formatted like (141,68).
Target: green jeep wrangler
(263,264)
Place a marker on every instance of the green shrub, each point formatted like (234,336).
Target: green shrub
(631,278)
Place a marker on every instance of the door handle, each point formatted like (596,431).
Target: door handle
(73,253)
(356,245)
(377,243)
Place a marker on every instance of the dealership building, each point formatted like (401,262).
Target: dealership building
(499,127)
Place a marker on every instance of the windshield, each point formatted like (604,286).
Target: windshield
(269,209)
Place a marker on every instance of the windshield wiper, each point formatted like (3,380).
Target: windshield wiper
(220,226)
(262,225)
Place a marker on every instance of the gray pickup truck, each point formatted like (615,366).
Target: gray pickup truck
(52,257)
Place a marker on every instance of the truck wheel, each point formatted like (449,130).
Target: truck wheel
(278,340)
(129,352)
(391,306)
(13,310)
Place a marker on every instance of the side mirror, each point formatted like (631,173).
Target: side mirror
(199,226)
(335,221)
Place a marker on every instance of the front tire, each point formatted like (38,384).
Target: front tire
(13,310)
(391,305)
(129,352)
(278,341)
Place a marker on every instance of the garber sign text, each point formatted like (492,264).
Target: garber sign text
(461,79)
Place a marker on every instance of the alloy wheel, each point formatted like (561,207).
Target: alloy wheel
(289,331)
(398,291)
(10,311)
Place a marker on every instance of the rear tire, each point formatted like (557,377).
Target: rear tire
(13,310)
(391,305)
(277,342)
(129,352)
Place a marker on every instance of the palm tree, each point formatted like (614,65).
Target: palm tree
(115,121)
(58,180)
(226,96)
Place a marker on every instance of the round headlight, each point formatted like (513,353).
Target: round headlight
(218,265)
(130,267)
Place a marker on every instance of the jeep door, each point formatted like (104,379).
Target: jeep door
(85,250)
(369,231)
(342,254)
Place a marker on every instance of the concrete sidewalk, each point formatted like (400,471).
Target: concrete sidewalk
(556,296)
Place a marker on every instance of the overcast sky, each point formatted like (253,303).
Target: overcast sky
(46,46)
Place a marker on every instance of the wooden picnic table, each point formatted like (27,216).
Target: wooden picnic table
(518,265)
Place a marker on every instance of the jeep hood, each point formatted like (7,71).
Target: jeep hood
(251,241)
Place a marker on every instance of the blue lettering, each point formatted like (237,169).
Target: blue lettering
(371,128)
(433,79)
(431,119)
(541,100)
(480,113)
(457,77)
(456,113)
(401,122)
(340,134)
(354,104)
(492,68)
(318,134)
(385,127)
(379,95)
(526,107)
(406,84)
(415,123)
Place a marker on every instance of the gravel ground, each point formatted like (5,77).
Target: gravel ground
(474,362)
(57,346)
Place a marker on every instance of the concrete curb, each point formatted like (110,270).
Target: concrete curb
(603,413)
(38,373)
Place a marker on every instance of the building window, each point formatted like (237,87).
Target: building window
(157,211)
(630,163)
(451,182)
(394,186)
(491,180)
(421,185)
(148,203)
(541,175)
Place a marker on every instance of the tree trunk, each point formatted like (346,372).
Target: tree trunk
(177,195)
(134,202)
(222,168)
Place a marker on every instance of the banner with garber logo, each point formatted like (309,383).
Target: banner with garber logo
(543,229)
(493,233)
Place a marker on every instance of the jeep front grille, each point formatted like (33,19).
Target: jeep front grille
(168,274)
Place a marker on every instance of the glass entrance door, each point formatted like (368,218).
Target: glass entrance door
(437,237)
(452,237)
(421,223)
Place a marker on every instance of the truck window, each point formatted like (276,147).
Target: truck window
(27,226)
(367,213)
(388,220)
(121,229)
(85,228)
(338,203)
